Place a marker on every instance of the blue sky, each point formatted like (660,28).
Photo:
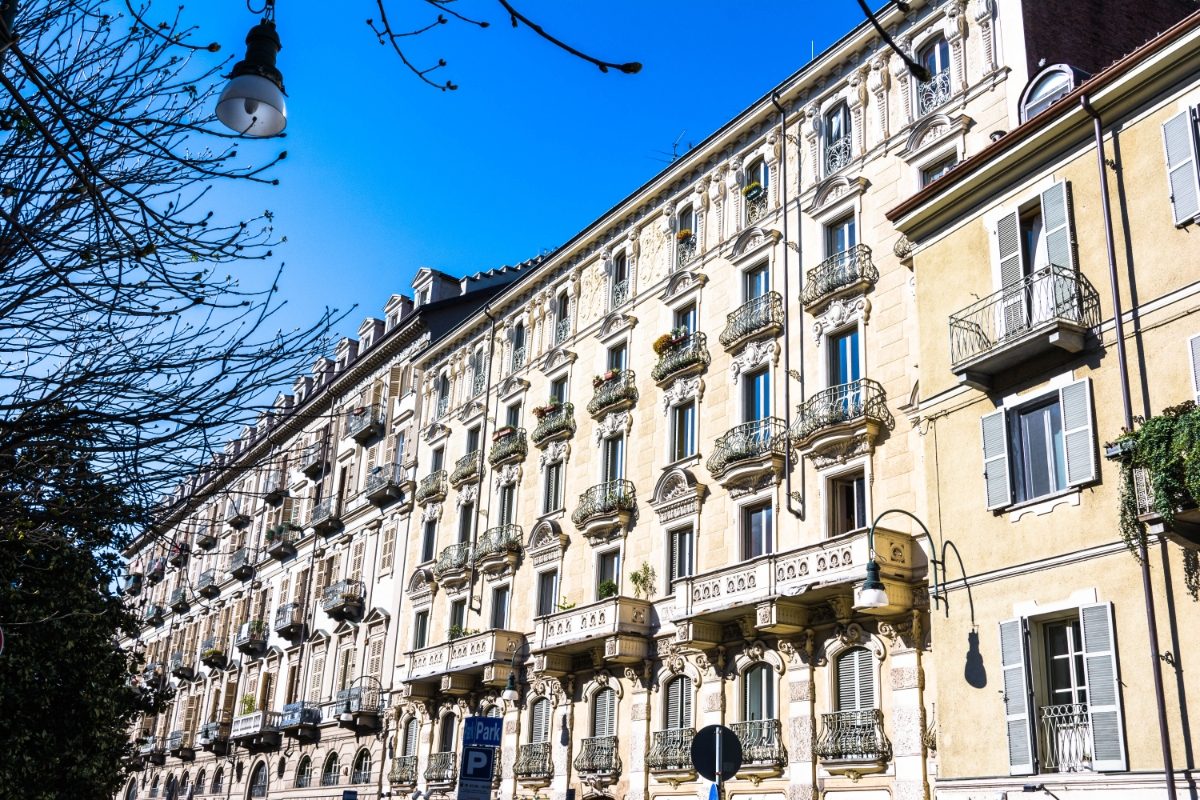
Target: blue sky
(385,175)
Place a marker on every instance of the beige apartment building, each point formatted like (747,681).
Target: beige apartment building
(1044,674)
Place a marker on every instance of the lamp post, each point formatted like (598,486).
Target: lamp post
(253,103)
(510,693)
(873,594)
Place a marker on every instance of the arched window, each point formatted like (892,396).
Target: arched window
(478,377)
(518,346)
(619,285)
(932,93)
(408,745)
(443,395)
(678,699)
(492,711)
(446,735)
(1047,88)
(258,780)
(304,773)
(184,782)
(131,790)
(839,148)
(539,721)
(855,671)
(562,318)
(758,693)
(154,787)
(362,767)
(686,236)
(330,773)
(201,786)
(170,788)
(604,713)
(218,781)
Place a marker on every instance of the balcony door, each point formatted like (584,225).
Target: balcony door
(508,494)
(614,458)
(604,713)
(618,357)
(679,703)
(539,717)
(855,680)
(844,374)
(447,738)
(756,396)
(840,236)
(757,282)
(758,694)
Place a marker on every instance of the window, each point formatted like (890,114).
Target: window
(618,357)
(518,346)
(508,494)
(755,190)
(1039,448)
(934,92)
(686,318)
(420,629)
(1183,180)
(218,781)
(619,286)
(201,782)
(443,395)
(512,415)
(438,458)
(466,516)
(608,574)
(1074,722)
(756,282)
(681,553)
(558,389)
(539,721)
(756,395)
(604,713)
(683,430)
(408,745)
(478,372)
(840,236)
(758,693)
(547,592)
(1046,89)
(552,499)
(614,458)
(847,503)
(428,540)
(757,539)
(458,617)
(330,774)
(362,767)
(838,146)
(686,221)
(678,711)
(500,597)
(855,675)
(562,316)
(472,440)
(937,169)
(446,736)
(844,365)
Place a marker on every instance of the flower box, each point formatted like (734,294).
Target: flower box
(752,190)
(683,235)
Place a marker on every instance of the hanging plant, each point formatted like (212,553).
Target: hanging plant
(684,235)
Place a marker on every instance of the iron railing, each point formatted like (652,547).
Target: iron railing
(212,652)
(180,664)
(838,153)
(618,294)
(598,755)
(534,761)
(501,539)
(756,207)
(151,744)
(759,314)
(215,731)
(364,422)
(620,388)
(332,777)
(431,485)
(383,478)
(298,714)
(179,600)
(1051,294)
(312,457)
(241,562)
(562,330)
(153,614)
(685,251)
(403,771)
(466,468)
(179,740)
(510,446)
(761,741)
(478,382)
(854,735)
(750,440)
(348,591)
(443,405)
(235,517)
(205,539)
(556,422)
(1065,738)
(156,569)
(933,93)
(288,616)
(606,498)
(690,351)
(206,584)
(847,268)
(671,749)
(453,558)
(275,487)
(361,775)
(324,513)
(442,768)
(179,553)
(860,399)
(251,636)
(518,358)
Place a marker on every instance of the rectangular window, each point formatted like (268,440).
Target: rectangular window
(547,592)
(683,430)
(840,236)
(618,357)
(558,389)
(844,358)
(420,629)
(686,318)
(438,459)
(757,534)
(507,503)
(458,616)
(500,608)
(1039,459)
(756,395)
(847,503)
(682,554)
(473,440)
(553,497)
(466,518)
(428,540)
(938,169)
(614,458)
(757,282)
(608,574)
(512,415)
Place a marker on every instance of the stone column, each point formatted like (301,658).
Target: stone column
(801,716)
(907,717)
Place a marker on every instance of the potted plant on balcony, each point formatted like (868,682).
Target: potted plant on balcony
(607,589)
(643,580)
(752,190)
(600,380)
(565,605)
(246,705)
(683,235)
(501,433)
(553,405)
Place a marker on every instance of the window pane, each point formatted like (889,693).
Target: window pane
(547,592)
(757,532)
(617,357)
(500,608)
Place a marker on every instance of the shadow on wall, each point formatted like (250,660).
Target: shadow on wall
(974,671)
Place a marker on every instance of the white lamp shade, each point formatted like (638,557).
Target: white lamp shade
(509,695)
(253,106)
(870,598)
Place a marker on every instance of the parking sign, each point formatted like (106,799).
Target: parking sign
(475,772)
(482,731)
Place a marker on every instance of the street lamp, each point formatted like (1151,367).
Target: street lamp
(253,103)
(873,594)
(510,694)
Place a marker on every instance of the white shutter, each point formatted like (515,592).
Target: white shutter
(673,702)
(1057,229)
(1104,693)
(855,682)
(375,656)
(540,721)
(1016,697)
(411,729)
(603,712)
(1179,140)
(1008,249)
(314,678)
(1194,352)
(997,486)
(1078,439)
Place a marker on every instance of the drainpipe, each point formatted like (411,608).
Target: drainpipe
(798,513)
(487,312)
(1164,734)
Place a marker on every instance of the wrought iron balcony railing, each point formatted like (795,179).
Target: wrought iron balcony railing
(763,314)
(214,731)
(852,267)
(534,761)
(853,736)
(432,486)
(298,714)
(153,614)
(618,294)
(466,468)
(330,778)
(756,207)
(562,330)
(933,93)
(671,749)
(179,600)
(384,482)
(235,517)
(205,538)
(509,447)
(478,382)
(343,599)
(365,423)
(289,619)
(518,358)
(452,558)
(838,154)
(499,540)
(442,768)
(179,741)
(206,584)
(325,515)
(607,498)
(751,440)
(689,352)
(443,405)
(251,637)
(312,458)
(620,389)
(156,569)
(179,553)
(275,487)
(1065,738)
(212,652)
(403,771)
(761,742)
(685,251)
(598,756)
(241,563)
(180,664)
(860,399)
(559,423)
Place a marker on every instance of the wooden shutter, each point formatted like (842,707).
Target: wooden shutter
(1183,181)
(679,702)
(855,682)
(189,716)
(356,562)
(1194,352)
(314,677)
(997,485)
(375,656)
(345,668)
(1104,692)
(266,691)
(287,514)
(372,454)
(411,729)
(387,548)
(540,721)
(293,681)
(603,711)
(1078,439)
(1057,228)
(300,588)
(1016,697)
(283,591)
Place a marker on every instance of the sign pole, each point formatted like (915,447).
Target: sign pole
(720,777)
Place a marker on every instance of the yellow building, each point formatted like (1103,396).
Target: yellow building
(1044,644)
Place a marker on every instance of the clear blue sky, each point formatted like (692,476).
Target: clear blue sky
(385,175)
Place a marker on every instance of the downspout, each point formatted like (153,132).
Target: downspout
(798,513)
(487,312)
(1164,734)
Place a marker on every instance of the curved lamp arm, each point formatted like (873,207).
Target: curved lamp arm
(873,594)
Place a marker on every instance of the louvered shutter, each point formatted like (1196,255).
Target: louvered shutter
(540,721)
(356,563)
(1010,258)
(288,513)
(1057,228)
(1104,693)
(375,656)
(1016,697)
(395,381)
(411,729)
(1194,352)
(673,703)
(387,548)
(189,717)
(673,543)
(314,677)
(372,453)
(300,587)
(603,711)
(856,685)
(283,590)
(1078,440)
(1179,140)
(266,691)
(997,485)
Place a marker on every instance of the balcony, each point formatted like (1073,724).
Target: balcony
(388,483)
(466,469)
(1065,738)
(179,552)
(615,390)
(456,667)
(442,771)
(1184,525)
(562,330)
(838,154)
(606,508)
(153,614)
(848,272)
(212,653)
(555,421)
(750,452)
(756,207)
(312,459)
(155,570)
(257,731)
(849,412)
(180,745)
(508,447)
(343,600)
(180,665)
(251,639)
(853,742)
(498,549)
(206,539)
(763,754)
(618,294)
(300,721)
(235,517)
(535,765)
(450,570)
(403,771)
(326,516)
(207,585)
(933,93)
(358,708)
(432,488)
(179,600)
(680,356)
(1049,311)
(275,487)
(241,564)
(618,626)
(152,749)
(365,424)
(598,764)
(281,541)
(214,736)
(757,319)
(670,756)
(289,620)
(133,584)
(775,588)
(685,250)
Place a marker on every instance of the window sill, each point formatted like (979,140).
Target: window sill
(686,461)
(1043,505)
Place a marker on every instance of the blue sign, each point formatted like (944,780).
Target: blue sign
(475,772)
(350,794)
(483,731)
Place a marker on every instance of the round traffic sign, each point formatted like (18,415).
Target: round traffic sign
(716,749)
